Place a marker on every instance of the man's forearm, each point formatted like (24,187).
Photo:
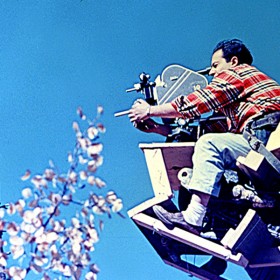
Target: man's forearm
(164,111)
(141,110)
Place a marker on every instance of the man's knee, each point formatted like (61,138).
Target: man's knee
(220,140)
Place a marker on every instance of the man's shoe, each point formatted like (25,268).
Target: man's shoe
(174,219)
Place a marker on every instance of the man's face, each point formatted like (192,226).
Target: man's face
(219,63)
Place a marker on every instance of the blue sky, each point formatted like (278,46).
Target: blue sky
(58,55)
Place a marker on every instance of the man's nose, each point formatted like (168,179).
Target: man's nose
(212,72)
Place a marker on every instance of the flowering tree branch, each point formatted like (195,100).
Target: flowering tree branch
(41,238)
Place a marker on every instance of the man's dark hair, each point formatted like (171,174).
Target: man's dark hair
(236,48)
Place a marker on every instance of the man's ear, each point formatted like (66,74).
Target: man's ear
(234,61)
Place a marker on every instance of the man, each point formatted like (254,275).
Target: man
(241,93)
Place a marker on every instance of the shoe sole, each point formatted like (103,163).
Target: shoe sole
(158,211)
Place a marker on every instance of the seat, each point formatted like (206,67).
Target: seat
(258,168)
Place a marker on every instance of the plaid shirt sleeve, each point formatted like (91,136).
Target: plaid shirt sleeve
(225,88)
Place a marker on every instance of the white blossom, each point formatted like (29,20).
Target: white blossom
(38,236)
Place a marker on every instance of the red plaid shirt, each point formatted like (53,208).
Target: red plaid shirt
(240,93)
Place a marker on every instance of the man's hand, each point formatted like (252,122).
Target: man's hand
(139,111)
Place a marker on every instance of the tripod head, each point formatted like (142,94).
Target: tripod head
(145,87)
